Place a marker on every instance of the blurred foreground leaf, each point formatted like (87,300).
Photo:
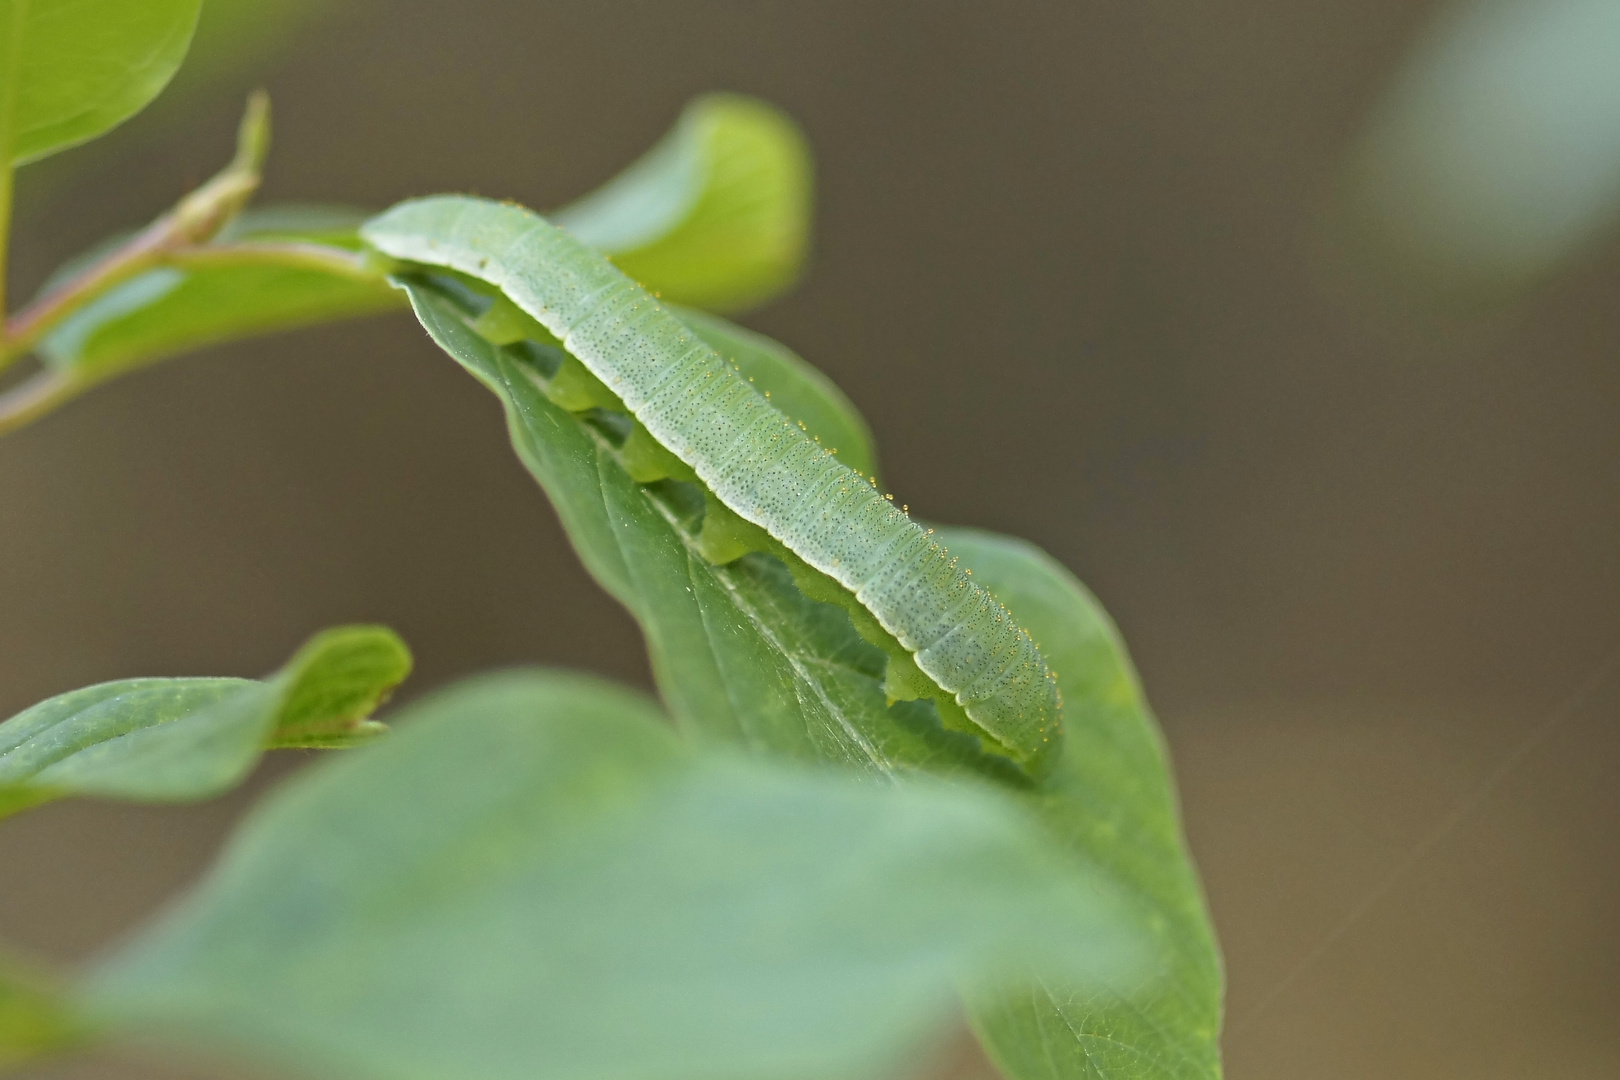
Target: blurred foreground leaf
(534,877)
(71,70)
(177,740)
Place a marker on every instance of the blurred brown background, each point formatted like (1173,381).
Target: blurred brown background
(1066,264)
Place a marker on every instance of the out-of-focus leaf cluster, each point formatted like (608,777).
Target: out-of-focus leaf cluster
(1492,156)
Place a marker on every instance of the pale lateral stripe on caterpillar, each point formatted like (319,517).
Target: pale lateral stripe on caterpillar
(752,457)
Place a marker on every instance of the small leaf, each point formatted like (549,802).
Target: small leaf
(35,1017)
(337,680)
(72,69)
(717,215)
(173,309)
(533,877)
(178,740)
(739,649)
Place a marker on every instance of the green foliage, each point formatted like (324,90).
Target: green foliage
(176,740)
(535,877)
(738,650)
(173,309)
(742,654)
(1111,801)
(72,69)
(717,215)
(755,462)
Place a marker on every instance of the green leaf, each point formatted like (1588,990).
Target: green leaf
(174,309)
(717,215)
(177,740)
(533,877)
(770,477)
(1110,798)
(36,1018)
(71,69)
(742,654)
(739,650)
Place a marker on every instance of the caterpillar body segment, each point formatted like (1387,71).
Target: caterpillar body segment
(753,458)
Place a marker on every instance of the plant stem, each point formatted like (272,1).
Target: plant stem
(34,397)
(193,222)
(23,331)
(43,392)
(147,252)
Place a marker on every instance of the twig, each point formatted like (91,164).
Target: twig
(196,219)
(36,396)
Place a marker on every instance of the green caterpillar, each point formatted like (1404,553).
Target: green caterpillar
(754,460)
